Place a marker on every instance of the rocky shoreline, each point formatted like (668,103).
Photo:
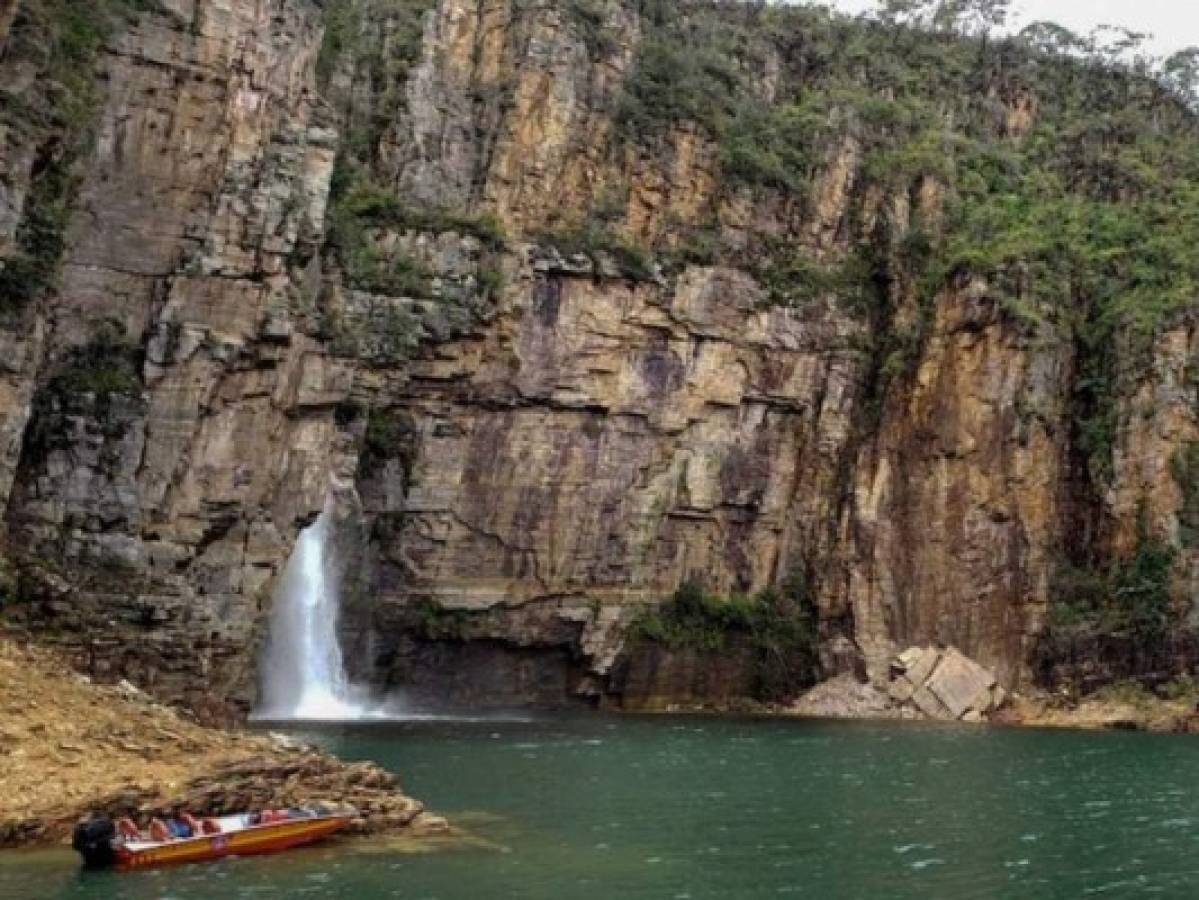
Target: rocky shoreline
(1120,708)
(941,684)
(844,698)
(72,747)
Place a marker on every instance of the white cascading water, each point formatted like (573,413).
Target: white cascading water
(303,675)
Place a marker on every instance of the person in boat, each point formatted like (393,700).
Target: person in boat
(180,830)
(128,829)
(159,831)
(181,825)
(103,843)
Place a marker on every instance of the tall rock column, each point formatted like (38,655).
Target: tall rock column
(183,428)
(953,524)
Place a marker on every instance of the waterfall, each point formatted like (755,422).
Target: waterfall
(303,674)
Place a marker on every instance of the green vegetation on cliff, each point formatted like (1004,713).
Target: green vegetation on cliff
(378,239)
(779,625)
(596,240)
(1060,169)
(373,237)
(372,45)
(105,366)
(389,435)
(1116,620)
(40,240)
(436,623)
(1061,179)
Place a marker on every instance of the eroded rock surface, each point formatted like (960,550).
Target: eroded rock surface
(551,368)
(181,425)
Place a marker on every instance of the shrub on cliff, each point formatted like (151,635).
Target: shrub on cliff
(1141,590)
(436,623)
(389,435)
(787,639)
(97,386)
(780,626)
(589,18)
(1117,621)
(369,204)
(596,240)
(695,619)
(105,366)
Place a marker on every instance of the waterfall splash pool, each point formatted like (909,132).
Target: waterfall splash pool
(603,808)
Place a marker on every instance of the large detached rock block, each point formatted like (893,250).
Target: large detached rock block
(944,684)
(958,682)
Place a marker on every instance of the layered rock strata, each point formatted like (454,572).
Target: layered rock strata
(337,246)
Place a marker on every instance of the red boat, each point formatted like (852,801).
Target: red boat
(103,844)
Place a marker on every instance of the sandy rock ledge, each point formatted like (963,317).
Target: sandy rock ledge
(71,746)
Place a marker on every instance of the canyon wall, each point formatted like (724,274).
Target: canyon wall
(411,253)
(168,420)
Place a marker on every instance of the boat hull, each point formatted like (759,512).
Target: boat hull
(252,841)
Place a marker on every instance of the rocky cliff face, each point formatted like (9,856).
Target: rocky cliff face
(552,358)
(169,423)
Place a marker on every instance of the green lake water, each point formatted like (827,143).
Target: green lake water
(598,807)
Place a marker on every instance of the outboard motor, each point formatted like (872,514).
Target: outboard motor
(93,839)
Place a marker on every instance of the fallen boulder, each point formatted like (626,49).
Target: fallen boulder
(923,683)
(944,684)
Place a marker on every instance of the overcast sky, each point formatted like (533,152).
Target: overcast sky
(1174,23)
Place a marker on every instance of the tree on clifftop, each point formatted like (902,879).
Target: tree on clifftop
(1050,37)
(1181,74)
(967,17)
